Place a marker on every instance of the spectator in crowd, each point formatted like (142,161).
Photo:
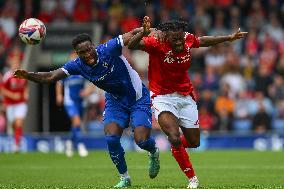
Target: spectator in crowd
(207,100)
(268,54)
(276,89)
(251,45)
(224,108)
(215,58)
(7,19)
(207,120)
(260,99)
(130,21)
(262,79)
(202,18)
(234,79)
(261,120)
(4,38)
(210,79)
(83,11)
(272,27)
(241,109)
(280,66)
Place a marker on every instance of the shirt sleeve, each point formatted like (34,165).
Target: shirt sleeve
(70,68)
(151,43)
(3,84)
(192,40)
(5,80)
(114,46)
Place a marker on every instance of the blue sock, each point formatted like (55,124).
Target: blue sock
(116,153)
(148,145)
(75,135)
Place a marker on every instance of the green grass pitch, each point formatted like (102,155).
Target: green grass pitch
(215,169)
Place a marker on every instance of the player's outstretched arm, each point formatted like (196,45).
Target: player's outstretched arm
(41,77)
(136,41)
(207,41)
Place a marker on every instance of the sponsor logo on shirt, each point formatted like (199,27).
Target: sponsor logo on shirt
(187,169)
(170,58)
(106,74)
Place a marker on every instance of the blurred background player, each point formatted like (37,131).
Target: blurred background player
(71,92)
(171,90)
(15,95)
(127,98)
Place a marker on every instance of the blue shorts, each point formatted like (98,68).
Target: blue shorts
(75,109)
(139,114)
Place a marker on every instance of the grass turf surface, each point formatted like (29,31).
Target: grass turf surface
(215,169)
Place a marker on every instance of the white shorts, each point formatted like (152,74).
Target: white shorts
(16,111)
(183,107)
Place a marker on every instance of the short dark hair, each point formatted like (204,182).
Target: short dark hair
(174,25)
(80,38)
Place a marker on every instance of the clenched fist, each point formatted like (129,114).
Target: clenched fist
(22,74)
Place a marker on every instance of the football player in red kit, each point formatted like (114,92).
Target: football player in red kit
(15,95)
(171,90)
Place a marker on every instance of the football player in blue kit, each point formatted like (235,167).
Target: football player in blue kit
(69,92)
(127,99)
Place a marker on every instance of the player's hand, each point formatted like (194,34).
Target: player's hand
(22,74)
(146,25)
(238,35)
(158,34)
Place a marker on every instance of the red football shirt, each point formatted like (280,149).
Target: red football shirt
(13,84)
(168,71)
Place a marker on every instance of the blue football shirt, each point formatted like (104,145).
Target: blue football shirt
(72,88)
(112,72)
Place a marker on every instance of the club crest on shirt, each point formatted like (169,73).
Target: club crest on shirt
(169,58)
(105,64)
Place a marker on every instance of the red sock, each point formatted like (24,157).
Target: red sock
(182,158)
(18,135)
(184,141)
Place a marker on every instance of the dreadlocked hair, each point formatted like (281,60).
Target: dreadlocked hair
(80,38)
(174,26)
